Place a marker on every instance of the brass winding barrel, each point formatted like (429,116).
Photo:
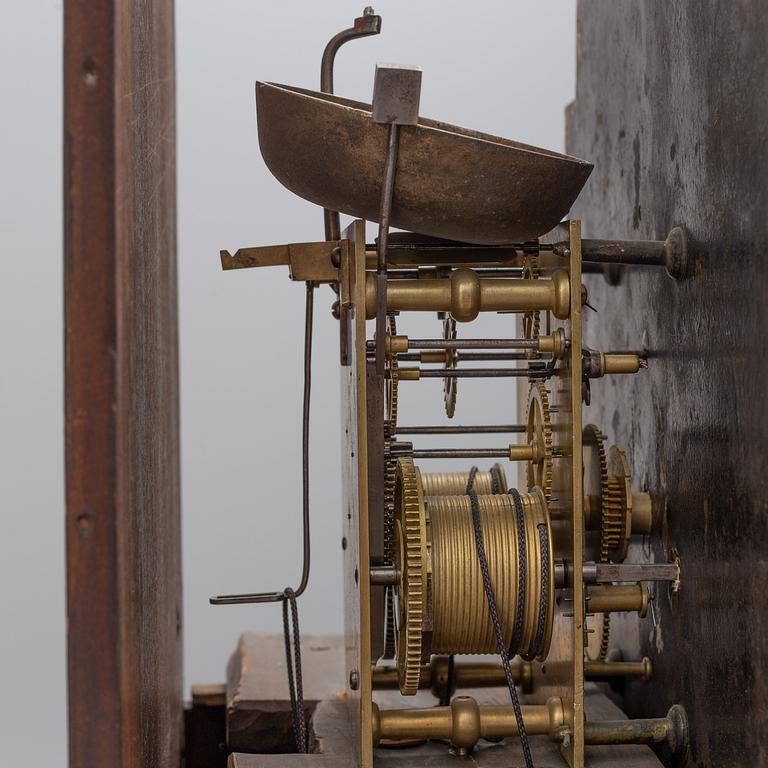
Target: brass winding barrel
(455,483)
(461,622)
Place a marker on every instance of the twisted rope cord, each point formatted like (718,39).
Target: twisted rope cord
(495,480)
(494,613)
(522,570)
(293,664)
(544,599)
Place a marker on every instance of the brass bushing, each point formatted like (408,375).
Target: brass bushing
(610,598)
(642,512)
(619,363)
(554,344)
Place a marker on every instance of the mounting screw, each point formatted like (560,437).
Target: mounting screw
(676,252)
(354,680)
(679,738)
(336,309)
(343,542)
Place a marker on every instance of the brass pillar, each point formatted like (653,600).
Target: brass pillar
(465,295)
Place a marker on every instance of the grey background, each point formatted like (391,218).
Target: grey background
(505,68)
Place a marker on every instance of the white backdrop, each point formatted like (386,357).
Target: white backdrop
(501,67)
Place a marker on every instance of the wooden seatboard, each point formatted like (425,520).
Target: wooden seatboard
(258,706)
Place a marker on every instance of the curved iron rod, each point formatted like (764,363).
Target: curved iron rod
(275,597)
(367,24)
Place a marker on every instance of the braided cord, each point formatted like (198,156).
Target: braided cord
(494,613)
(293,664)
(495,480)
(544,599)
(522,570)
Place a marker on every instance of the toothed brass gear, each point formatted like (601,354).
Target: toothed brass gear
(593,437)
(532,319)
(392,382)
(616,518)
(605,636)
(539,433)
(389,652)
(389,534)
(390,434)
(599,636)
(389,499)
(597,646)
(390,466)
(450,384)
(411,563)
(611,523)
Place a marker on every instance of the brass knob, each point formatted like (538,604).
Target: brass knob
(464,722)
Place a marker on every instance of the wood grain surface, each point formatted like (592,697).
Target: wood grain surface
(258,707)
(121,361)
(672,107)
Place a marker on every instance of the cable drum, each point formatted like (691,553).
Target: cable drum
(455,483)
(460,619)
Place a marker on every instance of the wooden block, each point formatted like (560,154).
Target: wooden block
(204,736)
(209,695)
(258,701)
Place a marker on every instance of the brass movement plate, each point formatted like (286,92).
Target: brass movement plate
(356,557)
(562,674)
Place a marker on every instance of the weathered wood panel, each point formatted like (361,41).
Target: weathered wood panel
(258,706)
(121,359)
(205,728)
(672,107)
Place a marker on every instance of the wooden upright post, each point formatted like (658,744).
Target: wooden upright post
(121,359)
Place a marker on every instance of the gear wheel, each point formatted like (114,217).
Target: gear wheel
(599,636)
(616,525)
(593,437)
(392,382)
(539,432)
(390,466)
(411,562)
(531,320)
(390,432)
(611,525)
(449,384)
